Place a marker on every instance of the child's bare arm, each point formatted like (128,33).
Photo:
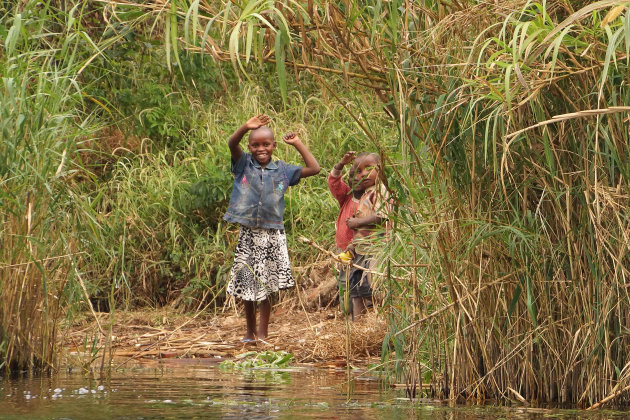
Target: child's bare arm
(367,222)
(312,167)
(346,159)
(253,123)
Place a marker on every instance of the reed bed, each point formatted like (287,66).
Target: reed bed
(504,132)
(312,337)
(511,184)
(41,228)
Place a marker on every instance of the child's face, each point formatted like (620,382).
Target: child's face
(365,173)
(261,146)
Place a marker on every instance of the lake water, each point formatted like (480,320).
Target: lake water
(179,390)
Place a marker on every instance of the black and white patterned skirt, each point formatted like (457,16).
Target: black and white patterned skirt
(261,264)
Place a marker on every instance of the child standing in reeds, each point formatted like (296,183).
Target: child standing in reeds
(261,261)
(362,209)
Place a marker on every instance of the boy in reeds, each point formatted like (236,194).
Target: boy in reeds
(362,210)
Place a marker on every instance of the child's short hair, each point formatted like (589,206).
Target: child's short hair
(263,129)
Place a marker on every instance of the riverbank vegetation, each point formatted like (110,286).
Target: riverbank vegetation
(503,128)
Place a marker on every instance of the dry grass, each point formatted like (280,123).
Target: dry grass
(306,322)
(32,283)
(316,337)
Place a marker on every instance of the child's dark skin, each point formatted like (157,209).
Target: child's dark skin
(363,176)
(262,145)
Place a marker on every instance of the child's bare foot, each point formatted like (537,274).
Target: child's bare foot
(262,334)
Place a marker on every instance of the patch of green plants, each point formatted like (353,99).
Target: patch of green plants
(259,360)
(146,98)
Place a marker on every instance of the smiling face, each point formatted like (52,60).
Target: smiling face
(365,173)
(261,145)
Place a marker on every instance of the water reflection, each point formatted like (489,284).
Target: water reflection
(176,390)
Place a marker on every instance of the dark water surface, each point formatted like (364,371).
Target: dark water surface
(178,390)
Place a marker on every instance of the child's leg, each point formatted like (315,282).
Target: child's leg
(250,316)
(362,288)
(265,311)
(358,307)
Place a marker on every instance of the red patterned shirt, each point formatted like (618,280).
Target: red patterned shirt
(347,203)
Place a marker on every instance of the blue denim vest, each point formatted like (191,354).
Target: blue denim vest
(258,193)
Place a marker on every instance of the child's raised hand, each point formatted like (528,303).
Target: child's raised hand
(291,138)
(348,157)
(257,121)
(353,223)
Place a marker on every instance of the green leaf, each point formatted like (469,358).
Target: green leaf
(206,32)
(248,42)
(280,65)
(233,45)
(244,355)
(284,359)
(376,19)
(514,301)
(226,12)
(556,48)
(508,95)
(610,54)
(548,153)
(285,24)
(261,42)
(173,34)
(167,43)
(251,5)
(14,32)
(192,17)
(195,19)
(265,21)
(531,305)
(394,21)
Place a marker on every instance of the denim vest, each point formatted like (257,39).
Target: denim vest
(258,193)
